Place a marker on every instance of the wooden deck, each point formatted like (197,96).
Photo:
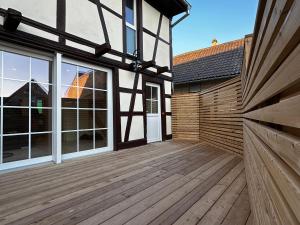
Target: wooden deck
(163,183)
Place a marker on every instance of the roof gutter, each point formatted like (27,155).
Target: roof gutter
(186,14)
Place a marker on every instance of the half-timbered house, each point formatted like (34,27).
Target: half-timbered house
(80,77)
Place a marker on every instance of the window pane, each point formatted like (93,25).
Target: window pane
(41,120)
(15,120)
(15,93)
(69,142)
(41,145)
(41,95)
(100,138)
(100,80)
(148,106)
(130,40)
(69,96)
(100,118)
(85,98)
(129,11)
(15,148)
(85,119)
(69,74)
(148,92)
(86,140)
(100,99)
(69,119)
(154,106)
(16,66)
(154,93)
(85,77)
(41,71)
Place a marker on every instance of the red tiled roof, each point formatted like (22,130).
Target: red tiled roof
(197,54)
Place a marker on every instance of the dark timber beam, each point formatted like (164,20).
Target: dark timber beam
(146,65)
(12,19)
(102,49)
(163,69)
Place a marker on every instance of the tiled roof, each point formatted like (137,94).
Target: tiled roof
(190,56)
(221,61)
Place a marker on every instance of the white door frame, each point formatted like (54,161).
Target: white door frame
(159,112)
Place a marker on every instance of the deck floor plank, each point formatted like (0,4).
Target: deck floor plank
(161,183)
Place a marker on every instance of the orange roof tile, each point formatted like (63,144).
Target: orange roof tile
(200,53)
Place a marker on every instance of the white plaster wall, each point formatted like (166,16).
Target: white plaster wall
(163,54)
(165,29)
(168,104)
(82,19)
(169,125)
(114,57)
(124,101)
(114,29)
(148,46)
(150,17)
(137,128)
(43,11)
(115,5)
(37,32)
(138,105)
(123,126)
(168,87)
(126,79)
(80,46)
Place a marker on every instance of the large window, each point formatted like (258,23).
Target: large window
(130,15)
(84,108)
(26,107)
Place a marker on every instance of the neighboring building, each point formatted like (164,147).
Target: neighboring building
(80,77)
(201,69)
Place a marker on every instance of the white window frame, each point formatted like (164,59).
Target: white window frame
(57,156)
(109,112)
(132,26)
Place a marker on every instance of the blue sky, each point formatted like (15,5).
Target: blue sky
(225,20)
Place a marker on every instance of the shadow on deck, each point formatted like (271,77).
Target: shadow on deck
(163,183)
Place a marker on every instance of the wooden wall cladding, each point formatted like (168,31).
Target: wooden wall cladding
(185,117)
(221,116)
(271,104)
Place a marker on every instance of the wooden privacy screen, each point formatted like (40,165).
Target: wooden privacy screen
(185,117)
(271,101)
(220,116)
(213,116)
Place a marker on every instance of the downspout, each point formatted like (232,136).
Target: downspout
(186,14)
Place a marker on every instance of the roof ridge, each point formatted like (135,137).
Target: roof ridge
(202,49)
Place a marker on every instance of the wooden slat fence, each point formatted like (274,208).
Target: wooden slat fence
(213,116)
(271,103)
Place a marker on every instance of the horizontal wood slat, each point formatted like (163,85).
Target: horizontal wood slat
(271,100)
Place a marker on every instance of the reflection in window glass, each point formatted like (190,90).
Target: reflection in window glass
(85,77)
(69,142)
(86,98)
(86,140)
(101,119)
(69,97)
(100,99)
(129,11)
(41,120)
(41,71)
(154,93)
(41,145)
(15,93)
(15,120)
(15,148)
(100,138)
(154,106)
(41,95)
(69,74)
(130,40)
(69,119)
(86,119)
(16,66)
(100,80)
(148,92)
(148,106)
